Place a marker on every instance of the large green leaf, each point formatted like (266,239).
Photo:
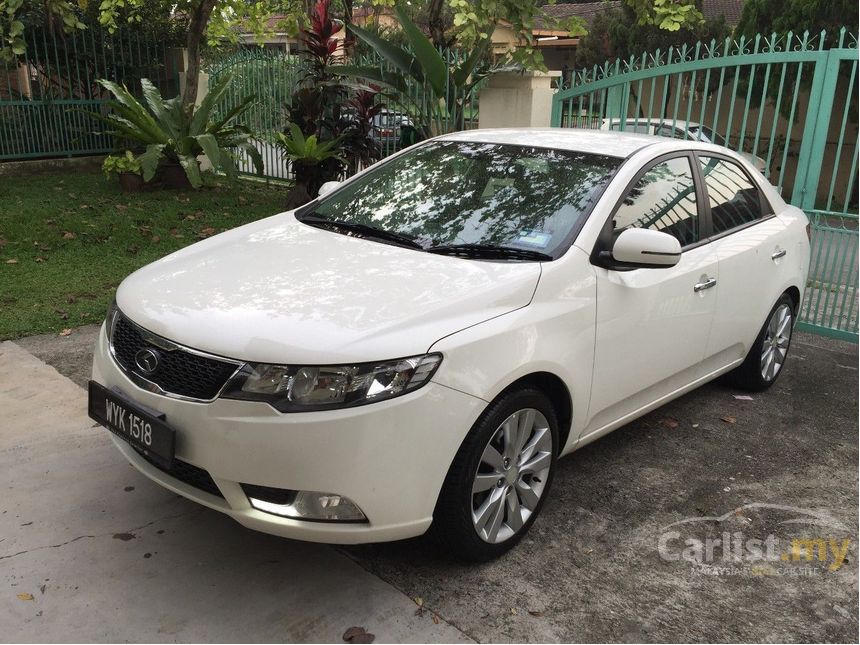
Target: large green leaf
(156,105)
(227,164)
(256,157)
(464,71)
(370,73)
(433,67)
(149,160)
(217,126)
(397,56)
(135,111)
(192,170)
(204,110)
(121,126)
(210,147)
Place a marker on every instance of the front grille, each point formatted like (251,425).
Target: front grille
(189,474)
(178,372)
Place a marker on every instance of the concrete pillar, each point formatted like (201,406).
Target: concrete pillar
(179,59)
(517,100)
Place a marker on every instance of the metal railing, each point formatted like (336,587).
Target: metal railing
(42,91)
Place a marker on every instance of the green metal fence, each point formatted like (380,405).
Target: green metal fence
(41,92)
(272,75)
(787,102)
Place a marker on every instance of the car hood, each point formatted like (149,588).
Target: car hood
(281,291)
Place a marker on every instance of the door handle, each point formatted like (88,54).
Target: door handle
(778,254)
(707,284)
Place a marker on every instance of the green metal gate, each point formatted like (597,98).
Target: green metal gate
(270,76)
(41,89)
(787,102)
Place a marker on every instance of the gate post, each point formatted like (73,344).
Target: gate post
(822,93)
(517,100)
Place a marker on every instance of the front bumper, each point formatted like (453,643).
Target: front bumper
(390,458)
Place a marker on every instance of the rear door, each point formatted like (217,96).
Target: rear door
(755,253)
(653,324)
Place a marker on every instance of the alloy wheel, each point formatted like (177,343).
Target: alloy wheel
(775,345)
(511,475)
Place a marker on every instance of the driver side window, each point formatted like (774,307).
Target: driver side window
(664,200)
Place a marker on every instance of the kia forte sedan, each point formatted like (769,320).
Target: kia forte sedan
(414,349)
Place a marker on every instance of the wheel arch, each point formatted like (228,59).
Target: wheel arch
(794,293)
(559,395)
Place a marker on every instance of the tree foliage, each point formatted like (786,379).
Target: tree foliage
(202,20)
(619,33)
(669,15)
(782,16)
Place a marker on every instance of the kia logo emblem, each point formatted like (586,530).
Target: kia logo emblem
(147,360)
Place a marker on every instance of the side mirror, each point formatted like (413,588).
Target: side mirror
(327,187)
(645,248)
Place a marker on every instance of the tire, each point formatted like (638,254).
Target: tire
(480,526)
(753,374)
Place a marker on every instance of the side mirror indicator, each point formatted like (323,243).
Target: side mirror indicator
(645,248)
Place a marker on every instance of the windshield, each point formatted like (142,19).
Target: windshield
(475,194)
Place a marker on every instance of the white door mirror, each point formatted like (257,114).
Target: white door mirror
(642,247)
(327,187)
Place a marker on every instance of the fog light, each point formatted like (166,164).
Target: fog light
(304,504)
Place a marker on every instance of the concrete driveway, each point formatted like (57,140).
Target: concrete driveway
(109,556)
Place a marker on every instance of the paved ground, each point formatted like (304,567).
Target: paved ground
(90,550)
(589,571)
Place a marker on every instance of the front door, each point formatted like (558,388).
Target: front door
(653,324)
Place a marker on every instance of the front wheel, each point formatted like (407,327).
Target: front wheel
(767,356)
(500,477)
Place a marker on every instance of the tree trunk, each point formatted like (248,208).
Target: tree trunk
(435,22)
(349,39)
(196,29)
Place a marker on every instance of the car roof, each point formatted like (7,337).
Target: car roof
(677,122)
(603,142)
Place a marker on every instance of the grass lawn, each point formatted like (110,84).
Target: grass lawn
(68,239)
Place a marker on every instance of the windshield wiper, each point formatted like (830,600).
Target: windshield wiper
(489,251)
(362,230)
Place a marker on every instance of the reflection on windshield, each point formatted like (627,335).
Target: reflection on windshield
(447,193)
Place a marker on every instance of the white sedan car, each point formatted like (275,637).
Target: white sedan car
(415,349)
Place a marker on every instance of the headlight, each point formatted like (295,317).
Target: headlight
(296,388)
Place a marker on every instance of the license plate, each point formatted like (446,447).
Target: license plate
(144,430)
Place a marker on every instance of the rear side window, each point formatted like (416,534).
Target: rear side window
(669,131)
(734,198)
(664,199)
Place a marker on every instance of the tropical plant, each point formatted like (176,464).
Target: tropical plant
(449,85)
(314,162)
(327,117)
(359,146)
(116,164)
(174,135)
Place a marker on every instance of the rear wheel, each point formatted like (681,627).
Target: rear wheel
(768,354)
(500,477)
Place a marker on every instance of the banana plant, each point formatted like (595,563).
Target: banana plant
(447,88)
(174,135)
